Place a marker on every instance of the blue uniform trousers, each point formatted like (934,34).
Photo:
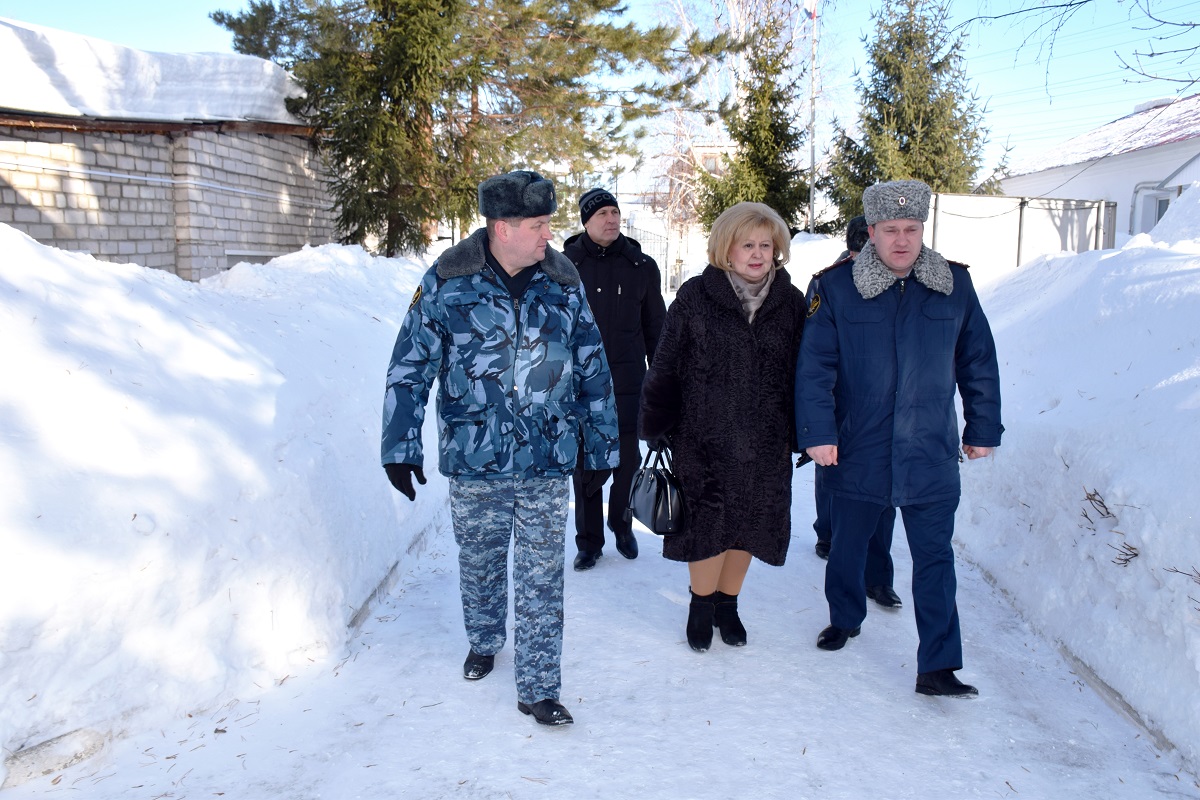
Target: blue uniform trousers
(879,570)
(930,527)
(487,515)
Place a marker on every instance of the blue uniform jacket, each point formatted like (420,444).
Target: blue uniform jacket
(520,382)
(877,377)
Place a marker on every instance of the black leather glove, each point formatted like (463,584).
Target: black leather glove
(401,476)
(662,442)
(803,459)
(594,480)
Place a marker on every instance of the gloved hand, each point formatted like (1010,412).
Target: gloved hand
(594,480)
(662,442)
(401,476)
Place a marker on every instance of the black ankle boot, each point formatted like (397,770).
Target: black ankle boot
(733,633)
(700,621)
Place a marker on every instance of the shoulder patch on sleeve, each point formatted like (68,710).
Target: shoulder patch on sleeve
(416,298)
(814,304)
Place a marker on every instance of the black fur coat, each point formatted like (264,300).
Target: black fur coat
(722,389)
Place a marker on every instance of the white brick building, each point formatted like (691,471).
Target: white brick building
(187,163)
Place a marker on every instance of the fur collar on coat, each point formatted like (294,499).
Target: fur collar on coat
(470,256)
(872,278)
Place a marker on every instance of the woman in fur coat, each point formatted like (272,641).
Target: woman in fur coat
(720,393)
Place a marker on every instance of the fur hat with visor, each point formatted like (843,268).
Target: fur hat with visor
(896,200)
(516,195)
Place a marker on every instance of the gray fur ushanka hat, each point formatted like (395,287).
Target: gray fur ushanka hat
(896,200)
(516,195)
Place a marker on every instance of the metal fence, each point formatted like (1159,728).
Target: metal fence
(1000,232)
(653,245)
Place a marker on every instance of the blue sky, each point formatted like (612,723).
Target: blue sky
(1034,99)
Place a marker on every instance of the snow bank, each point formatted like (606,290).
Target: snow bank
(1086,517)
(50,71)
(192,500)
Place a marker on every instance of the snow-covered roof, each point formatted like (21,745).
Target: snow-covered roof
(47,71)
(1150,125)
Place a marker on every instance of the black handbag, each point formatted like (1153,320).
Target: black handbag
(656,499)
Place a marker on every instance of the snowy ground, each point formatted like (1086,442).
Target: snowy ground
(776,719)
(192,512)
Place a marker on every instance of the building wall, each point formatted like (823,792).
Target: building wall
(1128,179)
(193,202)
(245,198)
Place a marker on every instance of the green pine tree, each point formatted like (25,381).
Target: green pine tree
(764,167)
(919,118)
(418,101)
(269,31)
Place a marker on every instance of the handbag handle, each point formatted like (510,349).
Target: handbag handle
(660,455)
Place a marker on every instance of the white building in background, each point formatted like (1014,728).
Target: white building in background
(1141,162)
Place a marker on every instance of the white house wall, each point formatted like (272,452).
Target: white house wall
(1128,180)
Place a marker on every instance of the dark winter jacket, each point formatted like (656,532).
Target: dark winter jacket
(877,372)
(520,381)
(721,388)
(624,291)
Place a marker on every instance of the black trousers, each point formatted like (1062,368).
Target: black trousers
(589,511)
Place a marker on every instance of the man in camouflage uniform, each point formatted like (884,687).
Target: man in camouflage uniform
(502,323)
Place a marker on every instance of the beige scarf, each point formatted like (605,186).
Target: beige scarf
(751,295)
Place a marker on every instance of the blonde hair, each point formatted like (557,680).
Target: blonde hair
(738,222)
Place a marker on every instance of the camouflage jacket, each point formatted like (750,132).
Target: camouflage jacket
(520,381)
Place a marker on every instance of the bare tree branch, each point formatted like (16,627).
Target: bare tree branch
(1150,64)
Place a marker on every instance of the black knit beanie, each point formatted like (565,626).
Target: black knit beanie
(592,201)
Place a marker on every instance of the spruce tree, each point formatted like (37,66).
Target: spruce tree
(763,168)
(418,101)
(269,31)
(919,118)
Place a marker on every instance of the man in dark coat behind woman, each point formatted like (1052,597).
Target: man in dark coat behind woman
(624,292)
(721,391)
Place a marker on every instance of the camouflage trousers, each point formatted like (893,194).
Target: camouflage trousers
(487,515)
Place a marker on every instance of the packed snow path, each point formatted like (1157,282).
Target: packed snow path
(775,719)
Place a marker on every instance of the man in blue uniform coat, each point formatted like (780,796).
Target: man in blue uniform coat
(889,338)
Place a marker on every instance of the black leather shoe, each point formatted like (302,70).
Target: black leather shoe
(835,638)
(477,666)
(547,712)
(587,559)
(821,548)
(944,683)
(885,596)
(626,544)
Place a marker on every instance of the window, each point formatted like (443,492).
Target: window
(1163,204)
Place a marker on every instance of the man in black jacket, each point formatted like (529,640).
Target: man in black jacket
(624,292)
